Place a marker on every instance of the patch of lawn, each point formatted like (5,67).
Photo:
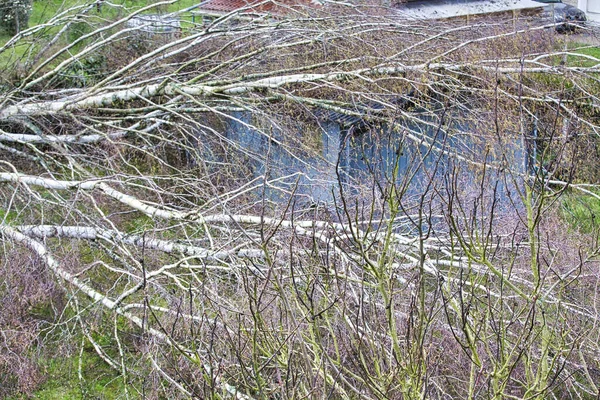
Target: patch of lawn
(62,381)
(581,211)
(8,216)
(44,10)
(591,51)
(584,50)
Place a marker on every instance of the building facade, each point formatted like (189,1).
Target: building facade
(591,8)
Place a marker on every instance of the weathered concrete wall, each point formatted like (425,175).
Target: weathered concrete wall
(363,157)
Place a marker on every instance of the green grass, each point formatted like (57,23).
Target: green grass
(43,10)
(8,217)
(581,212)
(585,50)
(62,381)
(590,51)
(574,60)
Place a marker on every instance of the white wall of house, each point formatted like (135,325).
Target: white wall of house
(591,8)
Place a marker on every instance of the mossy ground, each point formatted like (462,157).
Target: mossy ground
(62,380)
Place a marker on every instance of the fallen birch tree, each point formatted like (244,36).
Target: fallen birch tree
(166,197)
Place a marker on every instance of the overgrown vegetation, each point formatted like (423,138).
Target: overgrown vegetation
(335,204)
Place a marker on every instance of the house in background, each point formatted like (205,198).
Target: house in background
(272,7)
(591,8)
(414,9)
(152,24)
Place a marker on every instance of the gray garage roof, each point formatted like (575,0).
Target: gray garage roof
(433,9)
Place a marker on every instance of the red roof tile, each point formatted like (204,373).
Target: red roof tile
(258,6)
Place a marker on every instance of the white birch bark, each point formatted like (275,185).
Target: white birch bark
(41,251)
(166,246)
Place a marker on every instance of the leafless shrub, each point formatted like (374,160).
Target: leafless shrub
(431,263)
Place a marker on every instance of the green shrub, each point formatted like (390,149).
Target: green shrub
(14,15)
(85,72)
(77,30)
(582,212)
